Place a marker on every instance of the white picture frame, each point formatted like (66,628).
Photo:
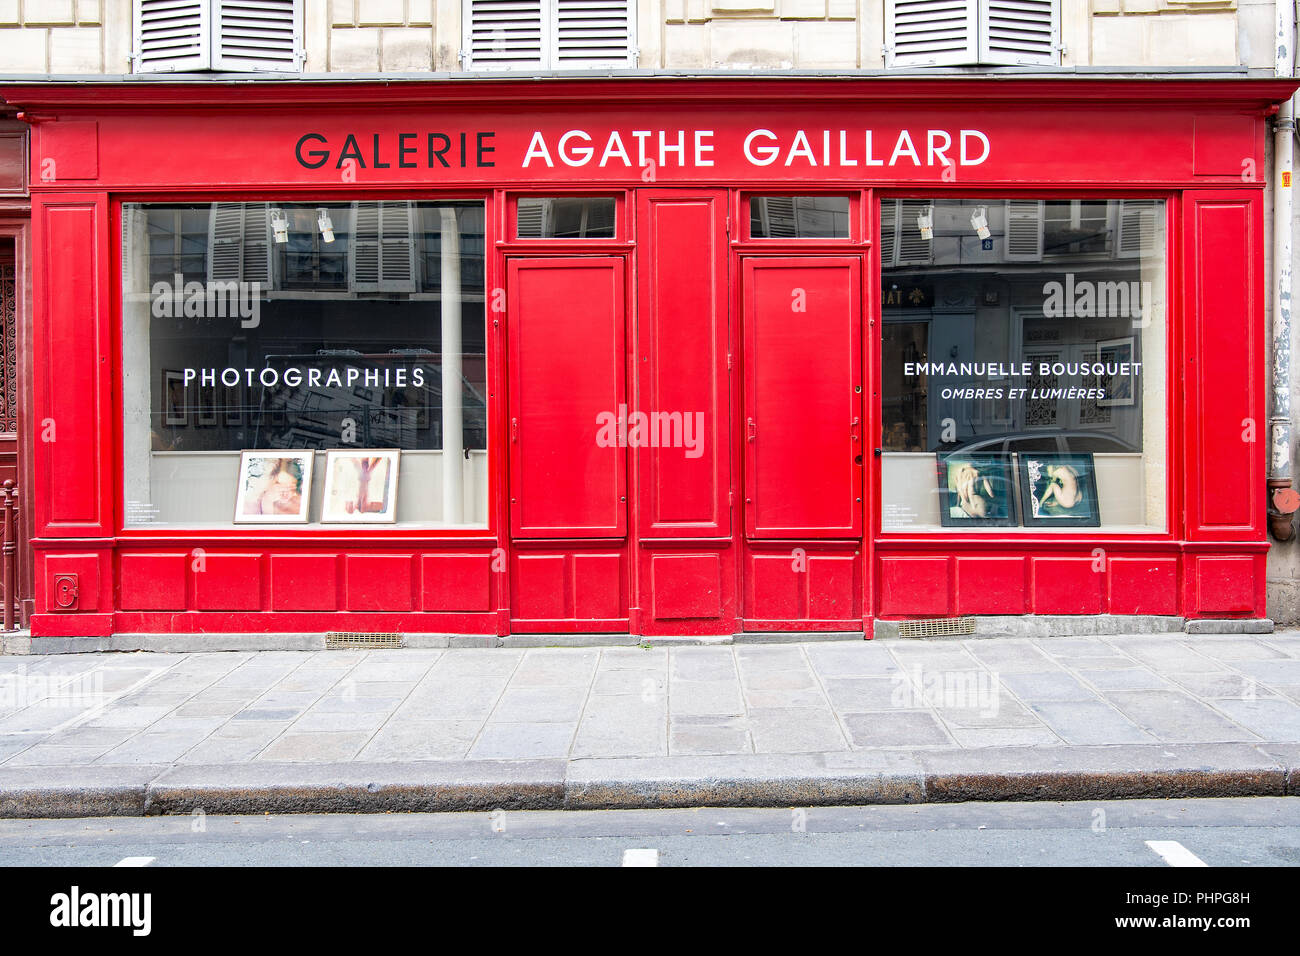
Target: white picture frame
(1120,390)
(352,495)
(274,486)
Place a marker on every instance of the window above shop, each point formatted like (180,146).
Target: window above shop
(799,217)
(548,34)
(972,33)
(562,217)
(223,36)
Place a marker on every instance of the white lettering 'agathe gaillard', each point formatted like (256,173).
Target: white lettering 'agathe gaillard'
(800,148)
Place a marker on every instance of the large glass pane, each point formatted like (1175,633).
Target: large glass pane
(1023,373)
(581,217)
(305,327)
(799,217)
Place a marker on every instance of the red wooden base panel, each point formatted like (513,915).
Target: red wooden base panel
(1142,585)
(803,586)
(456,582)
(1085,583)
(281,583)
(73,583)
(688,589)
(1067,585)
(915,587)
(152,582)
(1225,585)
(228,582)
(304,582)
(990,585)
(232,622)
(569,590)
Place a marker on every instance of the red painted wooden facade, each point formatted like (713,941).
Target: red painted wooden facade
(680,310)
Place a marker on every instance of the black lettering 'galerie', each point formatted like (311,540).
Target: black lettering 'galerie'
(402,151)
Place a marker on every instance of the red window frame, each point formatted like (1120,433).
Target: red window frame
(315,534)
(1173,356)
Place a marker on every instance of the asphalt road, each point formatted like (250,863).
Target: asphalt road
(1256,831)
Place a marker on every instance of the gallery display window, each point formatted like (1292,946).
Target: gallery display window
(304,362)
(1024,382)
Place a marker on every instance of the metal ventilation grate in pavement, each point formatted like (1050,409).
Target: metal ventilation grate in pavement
(937,627)
(339,640)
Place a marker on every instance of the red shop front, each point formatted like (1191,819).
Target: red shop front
(648,356)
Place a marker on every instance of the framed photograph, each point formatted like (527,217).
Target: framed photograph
(1059,490)
(207,405)
(1120,389)
(232,405)
(361,485)
(173,394)
(976,490)
(274,485)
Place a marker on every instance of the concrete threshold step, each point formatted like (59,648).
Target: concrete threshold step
(978,627)
(200,643)
(756,780)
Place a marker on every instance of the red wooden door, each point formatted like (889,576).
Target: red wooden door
(682,382)
(803,397)
(566,384)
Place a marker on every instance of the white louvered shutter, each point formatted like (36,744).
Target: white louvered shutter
(1020,32)
(257,36)
(172,36)
(888,233)
(778,214)
(381,256)
(530,218)
(593,33)
(1024,230)
(931,32)
(912,249)
(506,34)
(256,266)
(233,36)
(239,245)
(1137,228)
(598,220)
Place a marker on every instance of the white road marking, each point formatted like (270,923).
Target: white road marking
(136,861)
(640,857)
(1175,854)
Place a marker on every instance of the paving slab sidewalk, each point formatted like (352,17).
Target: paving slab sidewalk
(885,721)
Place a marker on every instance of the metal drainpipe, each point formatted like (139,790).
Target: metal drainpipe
(1282,498)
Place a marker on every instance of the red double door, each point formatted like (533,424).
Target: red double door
(685,433)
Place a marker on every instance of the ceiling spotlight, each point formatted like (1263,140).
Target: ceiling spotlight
(325,224)
(979,221)
(925,222)
(280,225)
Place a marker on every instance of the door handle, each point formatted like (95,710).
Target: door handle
(514,430)
(753,430)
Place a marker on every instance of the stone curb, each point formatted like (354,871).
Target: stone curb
(60,792)
(424,786)
(791,780)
